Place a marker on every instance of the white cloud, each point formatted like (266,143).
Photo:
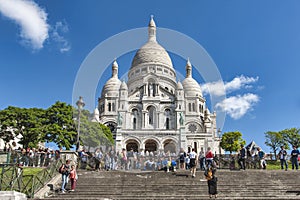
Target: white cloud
(237,106)
(214,88)
(30,17)
(218,88)
(59,29)
(239,82)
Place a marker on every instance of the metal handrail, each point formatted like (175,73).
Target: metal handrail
(12,178)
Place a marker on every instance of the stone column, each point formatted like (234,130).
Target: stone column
(144,119)
(156,90)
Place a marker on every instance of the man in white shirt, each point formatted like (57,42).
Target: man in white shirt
(193,163)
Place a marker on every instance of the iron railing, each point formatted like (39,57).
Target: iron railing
(13,178)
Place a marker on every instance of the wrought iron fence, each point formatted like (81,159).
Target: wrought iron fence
(13,178)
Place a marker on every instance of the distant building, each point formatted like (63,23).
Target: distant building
(152,111)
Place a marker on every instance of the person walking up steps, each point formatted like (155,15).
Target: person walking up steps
(211,182)
(193,163)
(65,171)
(73,178)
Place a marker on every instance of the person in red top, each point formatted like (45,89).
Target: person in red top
(73,178)
(209,156)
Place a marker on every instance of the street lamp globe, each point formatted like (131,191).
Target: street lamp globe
(80,103)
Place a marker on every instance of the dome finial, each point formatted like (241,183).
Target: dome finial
(188,63)
(115,67)
(188,68)
(152,29)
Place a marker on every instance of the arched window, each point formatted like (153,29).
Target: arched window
(193,107)
(151,114)
(134,123)
(113,107)
(167,115)
(135,118)
(109,107)
(167,123)
(190,107)
(179,106)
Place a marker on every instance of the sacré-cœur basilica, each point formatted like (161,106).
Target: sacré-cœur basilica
(153,111)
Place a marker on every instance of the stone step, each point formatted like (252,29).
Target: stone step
(183,197)
(256,184)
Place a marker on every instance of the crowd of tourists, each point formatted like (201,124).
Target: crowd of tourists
(32,157)
(127,160)
(257,159)
(131,160)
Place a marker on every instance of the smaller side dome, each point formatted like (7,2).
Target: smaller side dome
(112,86)
(123,86)
(179,86)
(191,86)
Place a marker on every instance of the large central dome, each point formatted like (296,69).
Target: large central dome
(152,52)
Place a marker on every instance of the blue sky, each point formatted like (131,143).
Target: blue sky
(255,45)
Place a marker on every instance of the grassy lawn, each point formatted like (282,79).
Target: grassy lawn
(275,165)
(31,170)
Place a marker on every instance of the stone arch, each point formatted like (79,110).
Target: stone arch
(112,126)
(200,127)
(170,145)
(151,145)
(132,144)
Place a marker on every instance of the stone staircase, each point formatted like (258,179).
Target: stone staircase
(249,184)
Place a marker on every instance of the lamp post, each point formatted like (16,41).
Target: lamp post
(80,104)
(219,134)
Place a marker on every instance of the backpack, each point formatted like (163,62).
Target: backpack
(208,174)
(61,170)
(181,158)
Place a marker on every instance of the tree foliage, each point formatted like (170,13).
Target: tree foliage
(275,140)
(231,141)
(291,136)
(59,125)
(54,124)
(24,121)
(93,134)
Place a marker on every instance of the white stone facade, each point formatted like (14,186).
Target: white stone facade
(154,112)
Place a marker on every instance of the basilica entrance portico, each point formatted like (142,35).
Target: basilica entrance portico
(169,146)
(132,144)
(151,145)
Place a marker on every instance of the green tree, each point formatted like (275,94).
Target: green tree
(24,121)
(59,125)
(275,140)
(291,136)
(231,141)
(6,132)
(93,134)
(55,124)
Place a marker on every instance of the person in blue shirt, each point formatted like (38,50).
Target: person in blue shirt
(261,156)
(294,159)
